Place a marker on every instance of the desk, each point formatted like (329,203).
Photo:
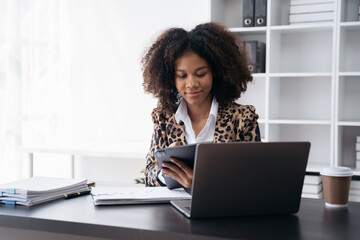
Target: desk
(79,216)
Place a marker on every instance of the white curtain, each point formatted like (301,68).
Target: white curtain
(29,67)
(10,90)
(70,73)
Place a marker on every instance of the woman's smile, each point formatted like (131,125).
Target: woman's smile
(193,79)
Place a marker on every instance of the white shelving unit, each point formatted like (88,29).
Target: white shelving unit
(310,90)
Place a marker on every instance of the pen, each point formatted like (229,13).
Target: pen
(77,194)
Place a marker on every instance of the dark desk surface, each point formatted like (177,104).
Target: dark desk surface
(79,216)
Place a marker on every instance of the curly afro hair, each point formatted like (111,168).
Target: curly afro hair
(222,49)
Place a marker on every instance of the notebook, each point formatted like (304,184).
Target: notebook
(136,195)
(243,179)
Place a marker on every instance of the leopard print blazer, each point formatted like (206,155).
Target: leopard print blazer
(234,123)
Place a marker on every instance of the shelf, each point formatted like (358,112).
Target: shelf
(255,95)
(308,27)
(355,74)
(248,29)
(349,11)
(301,51)
(311,88)
(349,98)
(349,123)
(312,167)
(317,135)
(318,167)
(350,25)
(301,74)
(346,145)
(311,102)
(299,122)
(349,50)
(258,75)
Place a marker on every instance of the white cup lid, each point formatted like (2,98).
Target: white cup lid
(337,171)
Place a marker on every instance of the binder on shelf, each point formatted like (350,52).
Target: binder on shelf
(248,13)
(312,8)
(256,55)
(302,2)
(260,12)
(311,17)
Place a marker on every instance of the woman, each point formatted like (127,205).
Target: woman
(196,77)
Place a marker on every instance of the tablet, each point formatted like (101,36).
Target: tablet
(185,153)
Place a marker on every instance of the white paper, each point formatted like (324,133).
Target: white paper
(136,195)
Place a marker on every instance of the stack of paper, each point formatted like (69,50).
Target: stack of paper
(312,187)
(357,152)
(354,194)
(37,190)
(307,11)
(136,195)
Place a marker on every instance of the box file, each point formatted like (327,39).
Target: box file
(256,56)
(260,12)
(248,13)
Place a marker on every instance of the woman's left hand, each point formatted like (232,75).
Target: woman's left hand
(178,171)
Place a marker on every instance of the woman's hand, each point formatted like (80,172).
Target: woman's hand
(178,170)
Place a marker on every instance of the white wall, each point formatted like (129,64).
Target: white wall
(104,43)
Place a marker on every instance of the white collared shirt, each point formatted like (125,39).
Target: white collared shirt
(207,133)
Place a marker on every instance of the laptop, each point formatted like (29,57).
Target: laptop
(245,179)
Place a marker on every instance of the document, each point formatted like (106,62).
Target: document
(136,195)
(37,190)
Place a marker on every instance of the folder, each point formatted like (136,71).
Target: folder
(256,56)
(248,13)
(260,12)
(251,51)
(260,58)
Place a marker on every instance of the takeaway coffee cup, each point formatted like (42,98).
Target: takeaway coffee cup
(336,185)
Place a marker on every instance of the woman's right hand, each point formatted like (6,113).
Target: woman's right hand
(178,170)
